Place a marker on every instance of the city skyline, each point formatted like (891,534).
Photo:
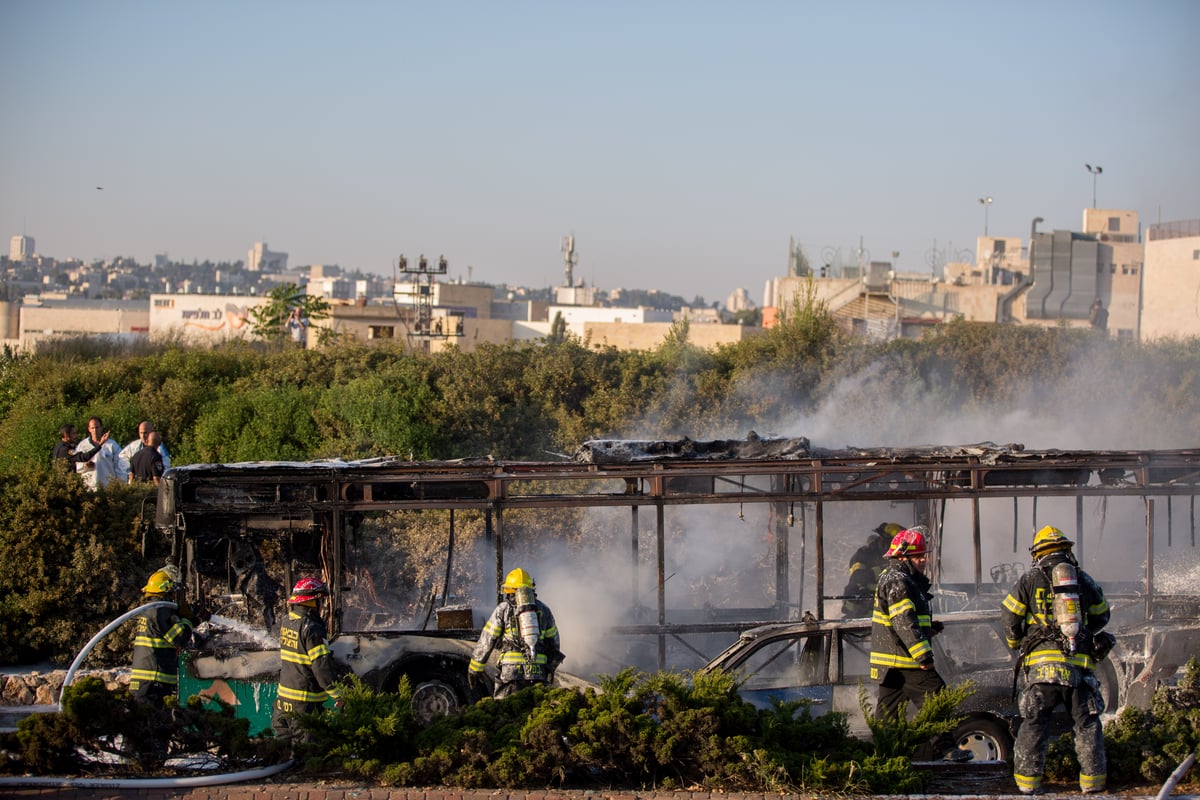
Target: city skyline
(682,144)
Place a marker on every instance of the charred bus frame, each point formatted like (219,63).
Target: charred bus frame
(787,473)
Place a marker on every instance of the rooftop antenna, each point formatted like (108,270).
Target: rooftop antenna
(569,258)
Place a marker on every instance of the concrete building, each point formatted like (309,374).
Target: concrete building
(201,318)
(1053,281)
(577,316)
(649,335)
(21,248)
(1171,281)
(262,259)
(738,300)
(48,320)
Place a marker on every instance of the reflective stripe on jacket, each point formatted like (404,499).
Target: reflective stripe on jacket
(901,620)
(160,634)
(1029,626)
(502,633)
(306,671)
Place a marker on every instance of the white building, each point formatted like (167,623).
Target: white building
(738,300)
(20,248)
(1171,281)
(202,317)
(263,259)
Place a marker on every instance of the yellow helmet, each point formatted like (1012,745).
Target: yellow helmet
(1049,540)
(160,582)
(517,579)
(889,529)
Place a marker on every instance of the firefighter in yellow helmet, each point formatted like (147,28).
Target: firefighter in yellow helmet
(161,632)
(1053,618)
(865,567)
(522,630)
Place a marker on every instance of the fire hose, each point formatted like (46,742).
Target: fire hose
(137,783)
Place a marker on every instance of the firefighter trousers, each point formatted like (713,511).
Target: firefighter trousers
(1085,703)
(900,686)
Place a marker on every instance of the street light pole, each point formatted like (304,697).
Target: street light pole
(1095,171)
(985,202)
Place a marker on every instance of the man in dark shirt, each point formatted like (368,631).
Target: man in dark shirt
(65,445)
(147,463)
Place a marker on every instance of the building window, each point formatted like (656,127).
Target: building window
(1114,224)
(381,332)
(1196,255)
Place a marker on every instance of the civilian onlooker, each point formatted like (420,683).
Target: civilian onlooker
(145,428)
(297,325)
(101,458)
(65,446)
(147,463)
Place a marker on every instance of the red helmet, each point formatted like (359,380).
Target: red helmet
(909,542)
(307,589)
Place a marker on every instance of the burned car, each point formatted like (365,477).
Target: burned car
(827,663)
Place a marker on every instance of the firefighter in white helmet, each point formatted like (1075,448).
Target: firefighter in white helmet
(523,631)
(1053,618)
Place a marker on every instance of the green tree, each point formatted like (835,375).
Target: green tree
(269,320)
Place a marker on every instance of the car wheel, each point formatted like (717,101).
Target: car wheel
(434,699)
(987,738)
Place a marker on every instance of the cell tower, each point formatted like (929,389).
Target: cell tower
(569,258)
(414,294)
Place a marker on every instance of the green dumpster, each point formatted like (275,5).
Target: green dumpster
(253,698)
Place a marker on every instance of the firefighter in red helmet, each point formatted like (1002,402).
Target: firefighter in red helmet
(902,631)
(307,675)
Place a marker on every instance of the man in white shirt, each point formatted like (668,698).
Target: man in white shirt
(104,465)
(145,428)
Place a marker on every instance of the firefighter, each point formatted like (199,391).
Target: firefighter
(523,630)
(1053,618)
(865,566)
(902,628)
(307,675)
(161,632)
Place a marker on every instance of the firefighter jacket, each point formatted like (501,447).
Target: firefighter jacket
(901,622)
(502,633)
(160,634)
(866,565)
(1030,628)
(306,672)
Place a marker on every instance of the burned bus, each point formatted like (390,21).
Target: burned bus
(657,554)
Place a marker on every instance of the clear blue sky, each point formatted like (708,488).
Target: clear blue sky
(682,143)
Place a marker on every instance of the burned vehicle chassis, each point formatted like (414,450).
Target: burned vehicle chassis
(223,524)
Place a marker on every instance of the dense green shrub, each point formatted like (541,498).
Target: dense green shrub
(72,564)
(662,730)
(98,731)
(1143,745)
